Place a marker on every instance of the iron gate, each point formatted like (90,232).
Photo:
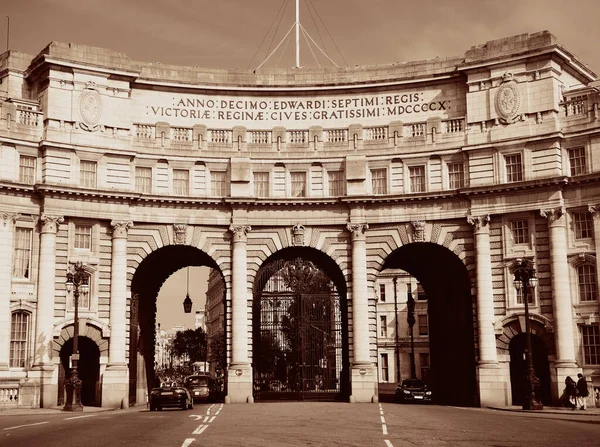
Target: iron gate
(298,346)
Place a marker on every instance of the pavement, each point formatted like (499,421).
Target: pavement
(590,411)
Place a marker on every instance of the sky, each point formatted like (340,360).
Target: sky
(240,34)
(228,33)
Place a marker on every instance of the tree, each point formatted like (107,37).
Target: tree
(217,353)
(190,344)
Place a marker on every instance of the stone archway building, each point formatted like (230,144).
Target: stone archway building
(493,155)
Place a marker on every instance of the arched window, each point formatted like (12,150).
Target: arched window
(586,282)
(19,331)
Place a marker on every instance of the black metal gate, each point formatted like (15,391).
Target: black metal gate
(298,344)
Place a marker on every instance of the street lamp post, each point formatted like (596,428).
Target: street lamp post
(397,340)
(525,277)
(77,282)
(410,319)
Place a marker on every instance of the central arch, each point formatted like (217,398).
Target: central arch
(300,328)
(446,282)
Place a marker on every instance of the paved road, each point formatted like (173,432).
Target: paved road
(301,424)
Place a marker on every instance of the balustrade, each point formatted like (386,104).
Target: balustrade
(297,136)
(336,135)
(9,395)
(27,117)
(576,106)
(220,136)
(144,131)
(453,126)
(180,134)
(259,137)
(417,129)
(375,133)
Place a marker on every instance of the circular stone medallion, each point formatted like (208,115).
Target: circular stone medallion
(507,101)
(90,108)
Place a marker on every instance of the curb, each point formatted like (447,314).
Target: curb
(589,412)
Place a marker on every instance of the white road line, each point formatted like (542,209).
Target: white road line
(200,429)
(79,417)
(212,419)
(384,428)
(187,442)
(205,418)
(25,425)
(382,420)
(388,443)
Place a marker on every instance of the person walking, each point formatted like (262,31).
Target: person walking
(582,392)
(571,392)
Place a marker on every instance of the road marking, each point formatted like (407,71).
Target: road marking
(384,428)
(212,419)
(200,429)
(205,418)
(382,420)
(187,442)
(25,425)
(197,416)
(388,443)
(79,417)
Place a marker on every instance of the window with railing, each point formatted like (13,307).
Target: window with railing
(21,265)
(577,160)
(82,239)
(261,184)
(383,326)
(591,344)
(87,173)
(298,180)
(27,169)
(456,175)
(19,330)
(379,181)
(417,178)
(586,282)
(181,182)
(582,224)
(218,183)
(385,375)
(382,292)
(514,168)
(336,182)
(143,180)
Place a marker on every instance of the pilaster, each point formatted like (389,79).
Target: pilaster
(561,292)
(595,210)
(7,225)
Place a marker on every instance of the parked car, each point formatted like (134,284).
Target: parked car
(170,396)
(201,387)
(413,390)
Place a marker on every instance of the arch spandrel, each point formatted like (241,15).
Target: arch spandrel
(92,329)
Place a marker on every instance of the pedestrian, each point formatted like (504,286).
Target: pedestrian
(571,392)
(582,392)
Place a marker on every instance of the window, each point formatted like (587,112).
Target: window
(383,326)
(19,328)
(27,169)
(530,295)
(520,231)
(423,326)
(379,181)
(577,160)
(218,183)
(582,223)
(261,184)
(22,253)
(87,173)
(382,292)
(385,375)
(514,168)
(336,183)
(181,182)
(83,237)
(456,175)
(586,282)
(298,184)
(143,180)
(591,344)
(84,301)
(421,295)
(425,366)
(417,178)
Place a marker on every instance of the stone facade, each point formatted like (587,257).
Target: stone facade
(450,169)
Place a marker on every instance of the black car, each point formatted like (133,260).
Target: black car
(413,390)
(170,396)
(201,387)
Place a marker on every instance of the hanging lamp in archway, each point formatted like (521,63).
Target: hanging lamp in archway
(187,302)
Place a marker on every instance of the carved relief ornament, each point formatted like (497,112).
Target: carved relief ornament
(479,222)
(418,230)
(298,235)
(50,223)
(508,100)
(120,227)
(240,231)
(358,230)
(553,214)
(179,233)
(90,108)
(9,217)
(595,210)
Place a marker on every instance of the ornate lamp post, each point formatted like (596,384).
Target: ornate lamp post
(187,302)
(77,283)
(397,340)
(410,319)
(525,277)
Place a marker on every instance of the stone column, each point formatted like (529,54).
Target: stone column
(595,210)
(364,378)
(45,310)
(7,225)
(561,299)
(493,382)
(115,380)
(239,373)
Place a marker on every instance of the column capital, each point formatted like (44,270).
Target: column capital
(555,216)
(240,232)
(480,223)
(50,223)
(595,210)
(7,218)
(120,228)
(358,230)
